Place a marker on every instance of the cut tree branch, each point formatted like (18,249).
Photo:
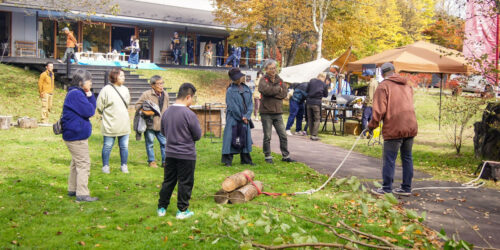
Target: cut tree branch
(336,245)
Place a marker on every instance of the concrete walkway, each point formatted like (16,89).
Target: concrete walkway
(473,214)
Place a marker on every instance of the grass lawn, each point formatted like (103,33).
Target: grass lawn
(36,213)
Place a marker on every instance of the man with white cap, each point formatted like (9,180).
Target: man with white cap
(393,105)
(71,43)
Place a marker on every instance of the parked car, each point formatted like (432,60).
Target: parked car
(474,83)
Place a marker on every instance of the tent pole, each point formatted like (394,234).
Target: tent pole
(440,98)
(496,57)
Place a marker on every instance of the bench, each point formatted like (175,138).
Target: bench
(25,48)
(166,56)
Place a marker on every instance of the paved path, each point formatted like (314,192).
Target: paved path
(457,211)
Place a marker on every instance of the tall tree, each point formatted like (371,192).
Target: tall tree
(277,23)
(320,10)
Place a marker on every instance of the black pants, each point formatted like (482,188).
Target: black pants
(177,171)
(245,158)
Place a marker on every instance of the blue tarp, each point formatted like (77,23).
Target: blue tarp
(118,64)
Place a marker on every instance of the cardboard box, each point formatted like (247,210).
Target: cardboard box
(352,128)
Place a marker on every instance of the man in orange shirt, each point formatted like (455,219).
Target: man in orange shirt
(46,90)
(71,43)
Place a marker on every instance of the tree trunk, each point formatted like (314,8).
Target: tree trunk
(235,181)
(320,42)
(245,193)
(221,197)
(5,122)
(26,122)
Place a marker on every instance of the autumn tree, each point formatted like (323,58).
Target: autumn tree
(447,31)
(277,23)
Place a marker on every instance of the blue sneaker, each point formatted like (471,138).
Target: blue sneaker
(183,215)
(162,211)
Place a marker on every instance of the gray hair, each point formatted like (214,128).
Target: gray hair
(269,62)
(65,29)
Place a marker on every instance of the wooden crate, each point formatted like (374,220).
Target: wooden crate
(352,128)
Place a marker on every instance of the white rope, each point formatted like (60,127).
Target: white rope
(312,191)
(473,184)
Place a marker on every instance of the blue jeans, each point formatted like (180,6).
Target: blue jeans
(296,113)
(149,136)
(177,56)
(235,60)
(391,148)
(367,116)
(108,145)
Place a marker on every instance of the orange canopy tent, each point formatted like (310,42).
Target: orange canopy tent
(421,57)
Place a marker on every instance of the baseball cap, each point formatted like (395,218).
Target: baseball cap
(386,67)
(235,74)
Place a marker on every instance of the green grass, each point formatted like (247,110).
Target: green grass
(36,213)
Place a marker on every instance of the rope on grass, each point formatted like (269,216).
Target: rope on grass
(473,184)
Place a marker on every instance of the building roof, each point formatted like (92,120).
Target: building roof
(132,9)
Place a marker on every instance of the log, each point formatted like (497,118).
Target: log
(235,181)
(26,122)
(5,122)
(245,193)
(221,197)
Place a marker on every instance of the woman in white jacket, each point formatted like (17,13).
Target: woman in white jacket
(112,104)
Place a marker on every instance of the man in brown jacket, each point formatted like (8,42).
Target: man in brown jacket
(393,105)
(46,91)
(273,91)
(155,96)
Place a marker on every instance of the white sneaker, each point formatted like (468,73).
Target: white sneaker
(105,169)
(124,169)
(288,132)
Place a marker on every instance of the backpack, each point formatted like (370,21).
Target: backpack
(491,170)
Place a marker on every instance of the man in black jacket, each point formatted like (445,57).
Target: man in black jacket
(316,90)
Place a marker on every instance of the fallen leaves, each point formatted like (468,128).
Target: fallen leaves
(119,228)
(165,239)
(475,227)
(169,223)
(81,243)
(101,226)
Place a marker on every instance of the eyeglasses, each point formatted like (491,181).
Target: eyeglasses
(160,83)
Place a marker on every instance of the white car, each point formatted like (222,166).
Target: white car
(475,83)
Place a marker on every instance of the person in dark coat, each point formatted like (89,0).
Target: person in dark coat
(316,90)
(297,109)
(79,106)
(238,119)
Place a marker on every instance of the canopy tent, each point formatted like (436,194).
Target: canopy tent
(304,72)
(421,57)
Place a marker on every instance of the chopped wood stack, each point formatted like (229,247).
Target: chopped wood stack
(238,189)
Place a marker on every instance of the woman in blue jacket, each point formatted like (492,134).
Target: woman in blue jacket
(78,107)
(238,119)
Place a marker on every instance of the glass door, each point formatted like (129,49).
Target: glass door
(5,33)
(61,37)
(46,38)
(96,38)
(146,43)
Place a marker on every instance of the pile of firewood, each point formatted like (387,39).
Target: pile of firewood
(238,189)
